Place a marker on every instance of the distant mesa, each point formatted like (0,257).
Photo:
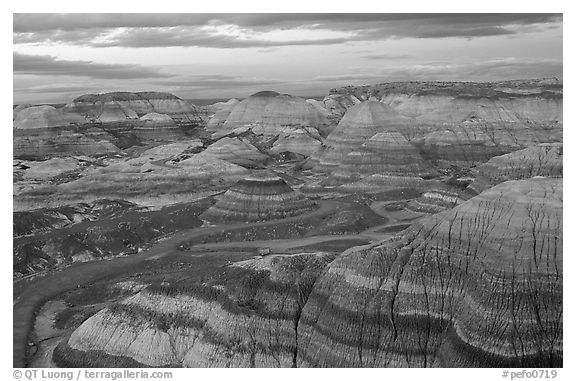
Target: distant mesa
(260,196)
(266,94)
(155,117)
(140,103)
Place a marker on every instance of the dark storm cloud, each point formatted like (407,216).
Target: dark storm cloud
(157,30)
(48,65)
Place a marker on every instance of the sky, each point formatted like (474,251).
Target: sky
(58,57)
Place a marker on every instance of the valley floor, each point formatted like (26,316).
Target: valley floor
(31,347)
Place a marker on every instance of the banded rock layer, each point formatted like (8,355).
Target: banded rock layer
(244,316)
(542,160)
(42,131)
(223,109)
(476,286)
(158,127)
(236,150)
(437,199)
(258,197)
(158,182)
(134,104)
(388,154)
(538,100)
(303,141)
(270,113)
(360,123)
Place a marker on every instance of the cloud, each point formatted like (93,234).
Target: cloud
(160,30)
(54,89)
(49,65)
(216,81)
(386,56)
(178,36)
(490,70)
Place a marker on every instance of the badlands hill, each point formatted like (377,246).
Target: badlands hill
(102,123)
(448,291)
(259,197)
(413,224)
(475,286)
(293,121)
(141,103)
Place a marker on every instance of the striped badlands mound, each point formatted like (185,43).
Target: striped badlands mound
(360,123)
(19,108)
(386,153)
(41,131)
(476,140)
(107,111)
(44,117)
(302,141)
(269,113)
(542,160)
(140,103)
(238,151)
(158,127)
(437,199)
(476,286)
(139,180)
(243,315)
(259,197)
(222,110)
(537,100)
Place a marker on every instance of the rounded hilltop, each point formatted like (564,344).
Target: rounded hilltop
(360,123)
(259,196)
(270,113)
(44,117)
(266,93)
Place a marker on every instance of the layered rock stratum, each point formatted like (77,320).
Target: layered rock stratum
(158,127)
(476,286)
(387,154)
(479,285)
(245,317)
(359,124)
(236,150)
(260,196)
(132,105)
(542,160)
(466,121)
(42,131)
(270,113)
